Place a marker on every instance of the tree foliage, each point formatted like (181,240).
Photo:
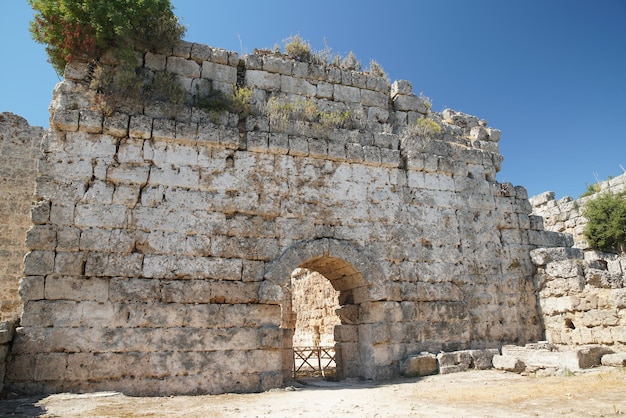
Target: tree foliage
(606,227)
(85,29)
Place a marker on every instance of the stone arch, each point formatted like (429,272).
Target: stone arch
(353,273)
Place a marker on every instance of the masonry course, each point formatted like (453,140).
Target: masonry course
(161,249)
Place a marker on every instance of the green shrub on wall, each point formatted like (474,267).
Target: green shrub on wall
(85,29)
(606,227)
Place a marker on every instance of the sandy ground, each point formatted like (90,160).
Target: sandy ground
(601,392)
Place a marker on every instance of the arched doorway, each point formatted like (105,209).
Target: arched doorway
(337,261)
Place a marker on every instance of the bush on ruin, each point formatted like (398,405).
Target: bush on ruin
(606,226)
(86,29)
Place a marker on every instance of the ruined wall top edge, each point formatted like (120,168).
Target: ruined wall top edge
(376,104)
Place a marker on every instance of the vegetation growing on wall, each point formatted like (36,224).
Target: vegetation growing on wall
(423,127)
(300,50)
(606,227)
(281,112)
(86,29)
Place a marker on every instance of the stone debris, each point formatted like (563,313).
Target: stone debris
(614,360)
(544,355)
(423,364)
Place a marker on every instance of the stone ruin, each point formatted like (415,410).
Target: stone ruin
(165,251)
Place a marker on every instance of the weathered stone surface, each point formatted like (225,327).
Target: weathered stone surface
(614,360)
(419,365)
(458,361)
(508,363)
(165,243)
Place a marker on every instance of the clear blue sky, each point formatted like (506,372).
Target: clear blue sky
(551,74)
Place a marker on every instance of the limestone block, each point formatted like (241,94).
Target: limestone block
(112,265)
(108,216)
(41,237)
(354,152)
(257,141)
(271,293)
(219,72)
(299,69)
(91,121)
(174,176)
(31,288)
(71,263)
(263,80)
(508,363)
(50,366)
(424,364)
(602,279)
(318,148)
(182,49)
(185,291)
(297,86)
(458,361)
(614,360)
(65,120)
(253,62)
(565,269)
(157,266)
(373,334)
(39,263)
(383,311)
(40,212)
(76,70)
(325,90)
(347,94)
(371,155)
(140,127)
(542,256)
(402,87)
(183,67)
(234,292)
(555,287)
(411,103)
(123,289)
(550,306)
(164,129)
(619,334)
(618,298)
(376,115)
(107,240)
(221,56)
(483,359)
(346,333)
(76,288)
(375,99)
(128,173)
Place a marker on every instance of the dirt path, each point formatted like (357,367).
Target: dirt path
(471,394)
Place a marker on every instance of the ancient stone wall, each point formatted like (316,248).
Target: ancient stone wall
(566,214)
(19,153)
(582,297)
(582,292)
(162,248)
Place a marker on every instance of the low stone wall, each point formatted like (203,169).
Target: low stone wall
(582,297)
